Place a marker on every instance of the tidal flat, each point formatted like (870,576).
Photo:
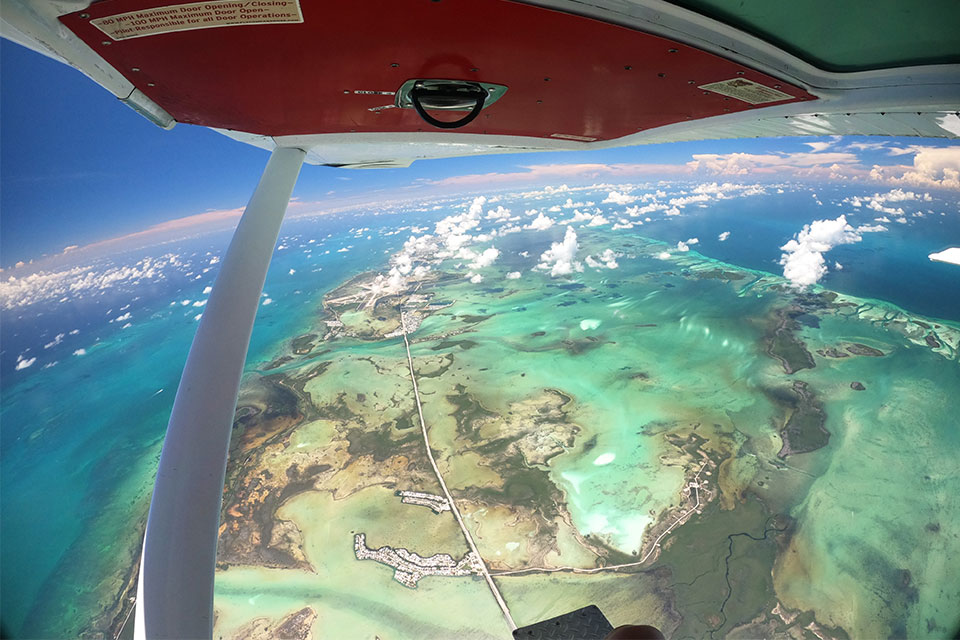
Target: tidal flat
(676,441)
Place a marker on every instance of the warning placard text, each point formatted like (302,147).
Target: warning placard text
(198,15)
(747,91)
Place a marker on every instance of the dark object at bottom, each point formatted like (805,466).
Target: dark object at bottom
(588,623)
(635,632)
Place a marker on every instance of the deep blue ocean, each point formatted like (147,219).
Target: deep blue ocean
(79,437)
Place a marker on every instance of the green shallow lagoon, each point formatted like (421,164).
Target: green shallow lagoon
(569,415)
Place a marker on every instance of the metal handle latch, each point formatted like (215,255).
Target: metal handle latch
(448,95)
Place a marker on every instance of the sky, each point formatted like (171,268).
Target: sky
(78,167)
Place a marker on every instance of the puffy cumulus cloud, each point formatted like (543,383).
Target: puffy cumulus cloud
(802,258)
(80,352)
(877,206)
(499,213)
(513,275)
(899,195)
(606,260)
(870,228)
(685,200)
(664,255)
(723,236)
(79,281)
(475,278)
(937,167)
(560,258)
(878,201)
(623,224)
(23,363)
(476,207)
(615,197)
(636,210)
(540,223)
(685,245)
(597,221)
(485,258)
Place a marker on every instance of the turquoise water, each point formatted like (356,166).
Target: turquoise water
(80,439)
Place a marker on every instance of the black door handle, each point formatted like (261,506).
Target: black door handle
(448,97)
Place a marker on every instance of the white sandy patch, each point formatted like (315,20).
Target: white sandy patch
(604,458)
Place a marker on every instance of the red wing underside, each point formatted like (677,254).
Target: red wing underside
(568,77)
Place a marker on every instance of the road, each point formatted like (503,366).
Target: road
(443,485)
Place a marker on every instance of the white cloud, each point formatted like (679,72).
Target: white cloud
(540,223)
(267,301)
(664,255)
(869,228)
(723,236)
(615,197)
(476,207)
(80,352)
(751,163)
(207,290)
(23,363)
(598,220)
(486,258)
(560,257)
(684,201)
(78,281)
(682,246)
(513,275)
(607,259)
(936,167)
(499,213)
(636,210)
(819,146)
(802,258)
(475,278)
(57,340)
